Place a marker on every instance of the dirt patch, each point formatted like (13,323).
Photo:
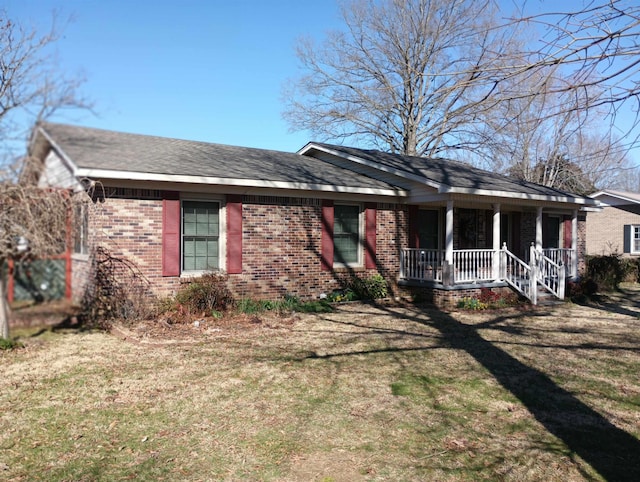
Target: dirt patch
(160,332)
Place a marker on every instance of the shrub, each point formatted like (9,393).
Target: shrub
(117,290)
(7,344)
(605,273)
(286,305)
(357,288)
(205,295)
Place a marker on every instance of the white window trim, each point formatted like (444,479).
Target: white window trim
(633,238)
(361,237)
(81,230)
(222,235)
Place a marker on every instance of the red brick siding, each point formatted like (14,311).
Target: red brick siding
(281,244)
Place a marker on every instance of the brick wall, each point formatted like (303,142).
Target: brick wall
(605,229)
(281,243)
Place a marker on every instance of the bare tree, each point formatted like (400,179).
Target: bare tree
(33,221)
(549,139)
(412,77)
(32,87)
(597,45)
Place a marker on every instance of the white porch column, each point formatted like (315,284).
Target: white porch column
(574,243)
(496,241)
(448,253)
(539,229)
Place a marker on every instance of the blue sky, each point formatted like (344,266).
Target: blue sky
(208,70)
(204,70)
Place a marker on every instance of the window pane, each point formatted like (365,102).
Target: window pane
(346,219)
(346,234)
(200,230)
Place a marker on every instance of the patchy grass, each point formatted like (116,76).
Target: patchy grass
(362,393)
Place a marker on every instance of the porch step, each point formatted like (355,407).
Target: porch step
(545,298)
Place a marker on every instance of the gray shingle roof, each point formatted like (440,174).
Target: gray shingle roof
(90,148)
(447,172)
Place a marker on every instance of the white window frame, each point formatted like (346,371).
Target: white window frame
(81,230)
(361,234)
(222,229)
(635,236)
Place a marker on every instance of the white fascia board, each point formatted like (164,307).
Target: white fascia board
(375,165)
(525,196)
(615,195)
(145,176)
(66,160)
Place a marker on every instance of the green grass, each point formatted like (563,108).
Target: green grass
(358,393)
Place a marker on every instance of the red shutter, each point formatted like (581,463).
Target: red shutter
(413,226)
(171,234)
(326,258)
(370,236)
(234,234)
(568,232)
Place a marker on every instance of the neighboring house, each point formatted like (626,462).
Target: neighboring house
(615,228)
(282,223)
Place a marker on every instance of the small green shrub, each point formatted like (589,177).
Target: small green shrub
(286,305)
(488,299)
(8,344)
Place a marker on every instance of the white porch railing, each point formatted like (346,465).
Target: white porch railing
(477,265)
(517,273)
(472,265)
(564,256)
(421,264)
(549,274)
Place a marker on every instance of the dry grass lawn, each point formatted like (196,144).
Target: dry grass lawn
(365,393)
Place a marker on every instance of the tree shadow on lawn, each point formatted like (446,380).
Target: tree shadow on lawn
(612,452)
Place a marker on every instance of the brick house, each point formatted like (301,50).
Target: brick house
(296,223)
(615,227)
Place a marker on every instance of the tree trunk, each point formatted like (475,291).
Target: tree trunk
(5,311)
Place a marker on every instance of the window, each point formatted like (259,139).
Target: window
(635,241)
(81,229)
(347,237)
(200,235)
(428,229)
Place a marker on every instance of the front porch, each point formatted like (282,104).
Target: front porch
(528,271)
(549,268)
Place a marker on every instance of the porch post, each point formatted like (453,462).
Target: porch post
(574,243)
(539,229)
(496,241)
(448,253)
(448,276)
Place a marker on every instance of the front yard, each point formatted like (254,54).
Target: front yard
(365,393)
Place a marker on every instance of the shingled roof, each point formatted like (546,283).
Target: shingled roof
(103,154)
(444,174)
(97,153)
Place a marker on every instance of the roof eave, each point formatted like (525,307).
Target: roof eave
(221,181)
(615,195)
(583,201)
